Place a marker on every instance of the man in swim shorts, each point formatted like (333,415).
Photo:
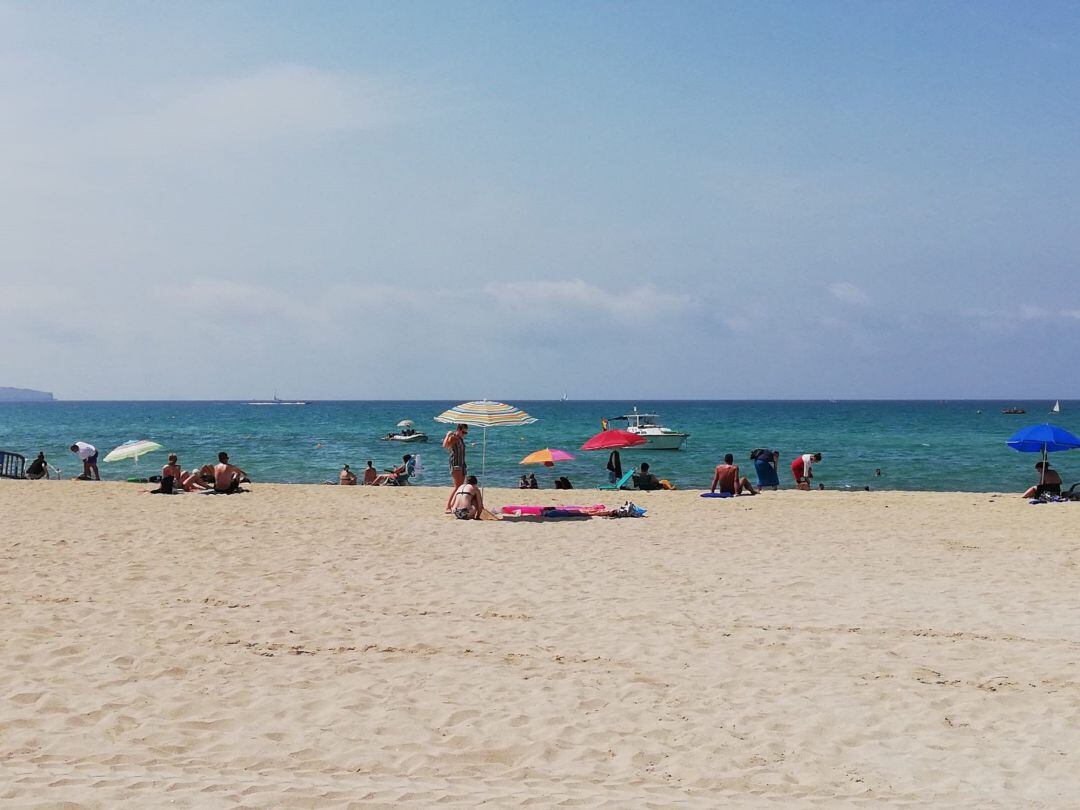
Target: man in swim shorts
(727,478)
(88,455)
(227,477)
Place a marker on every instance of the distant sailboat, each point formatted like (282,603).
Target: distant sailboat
(564,396)
(1057,407)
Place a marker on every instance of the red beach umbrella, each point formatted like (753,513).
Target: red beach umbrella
(613,440)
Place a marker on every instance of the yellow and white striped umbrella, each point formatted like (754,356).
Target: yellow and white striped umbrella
(132,449)
(485,413)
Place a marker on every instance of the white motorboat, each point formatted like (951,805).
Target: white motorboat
(647,425)
(407,434)
(276,401)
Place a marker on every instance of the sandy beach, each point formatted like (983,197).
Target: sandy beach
(312,646)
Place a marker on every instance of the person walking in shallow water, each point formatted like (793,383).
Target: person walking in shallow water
(454,444)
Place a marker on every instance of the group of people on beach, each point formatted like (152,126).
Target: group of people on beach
(224,477)
(393,476)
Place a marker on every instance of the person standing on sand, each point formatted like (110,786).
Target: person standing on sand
(88,455)
(802,469)
(454,444)
(727,478)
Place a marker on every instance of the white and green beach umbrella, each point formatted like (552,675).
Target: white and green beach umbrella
(484,414)
(132,449)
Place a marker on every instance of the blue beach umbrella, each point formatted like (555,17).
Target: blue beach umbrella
(1043,439)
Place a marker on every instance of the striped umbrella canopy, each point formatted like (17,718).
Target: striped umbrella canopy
(484,413)
(132,449)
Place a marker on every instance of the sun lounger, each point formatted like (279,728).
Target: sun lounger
(622,482)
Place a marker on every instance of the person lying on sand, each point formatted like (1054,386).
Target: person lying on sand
(727,478)
(1049,481)
(468,501)
(192,480)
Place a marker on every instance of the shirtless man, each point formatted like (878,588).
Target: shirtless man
(347,478)
(227,476)
(727,478)
(467,501)
(454,444)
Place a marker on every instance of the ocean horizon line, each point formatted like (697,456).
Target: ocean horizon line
(312,401)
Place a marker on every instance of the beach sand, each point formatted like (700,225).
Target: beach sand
(306,646)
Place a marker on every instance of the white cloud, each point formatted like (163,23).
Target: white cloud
(638,301)
(848,293)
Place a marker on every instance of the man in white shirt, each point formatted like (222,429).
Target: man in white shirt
(88,455)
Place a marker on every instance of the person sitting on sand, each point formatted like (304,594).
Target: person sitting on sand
(727,478)
(370,474)
(39,468)
(563,483)
(802,469)
(523,482)
(532,481)
(172,469)
(227,477)
(171,477)
(1049,481)
(347,478)
(88,455)
(468,501)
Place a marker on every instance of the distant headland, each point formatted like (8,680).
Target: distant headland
(24,395)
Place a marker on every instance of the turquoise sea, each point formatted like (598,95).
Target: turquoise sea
(919,445)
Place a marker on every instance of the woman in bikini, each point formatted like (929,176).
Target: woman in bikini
(467,501)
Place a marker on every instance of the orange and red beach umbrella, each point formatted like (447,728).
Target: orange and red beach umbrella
(547,457)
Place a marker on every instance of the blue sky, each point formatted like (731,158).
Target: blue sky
(344,200)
